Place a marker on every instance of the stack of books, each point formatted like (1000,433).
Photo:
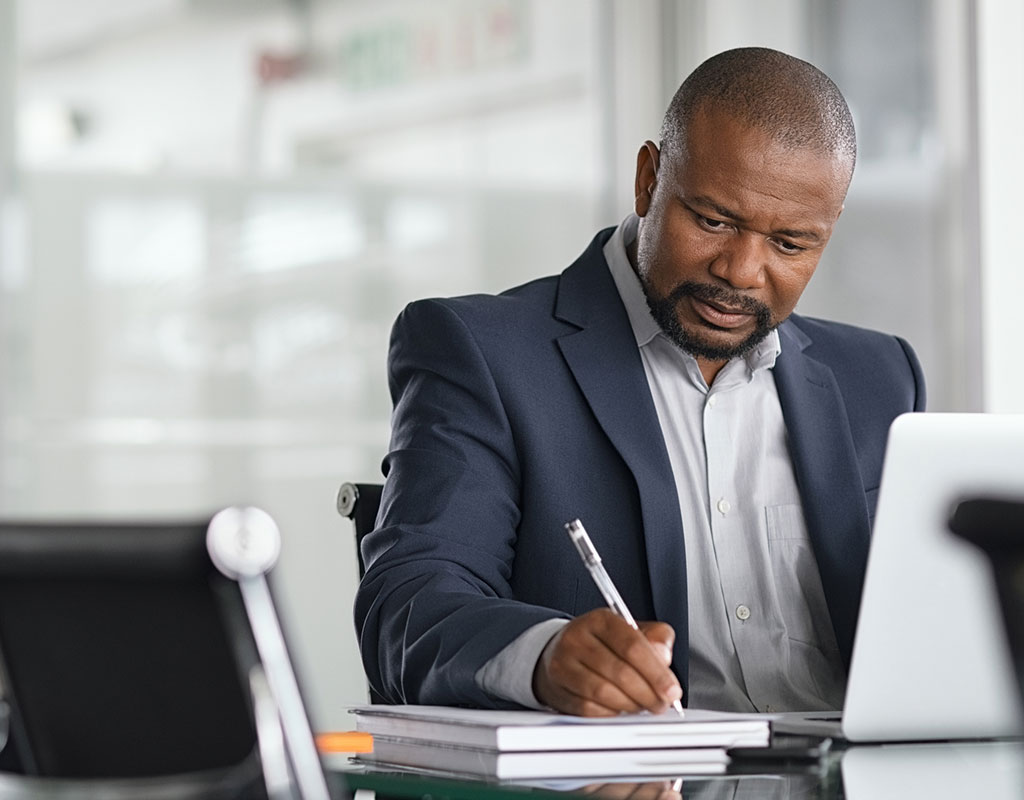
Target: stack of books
(517,745)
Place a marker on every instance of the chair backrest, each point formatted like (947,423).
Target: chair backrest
(119,650)
(359,502)
(137,651)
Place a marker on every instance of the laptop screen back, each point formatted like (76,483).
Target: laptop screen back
(930,659)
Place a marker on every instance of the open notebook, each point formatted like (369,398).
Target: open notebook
(930,660)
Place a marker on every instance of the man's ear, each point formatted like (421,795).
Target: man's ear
(647,161)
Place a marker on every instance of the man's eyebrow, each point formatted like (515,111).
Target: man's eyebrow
(809,236)
(789,233)
(722,211)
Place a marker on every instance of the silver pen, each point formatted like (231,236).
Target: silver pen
(592,561)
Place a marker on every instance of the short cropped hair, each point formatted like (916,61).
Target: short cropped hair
(793,101)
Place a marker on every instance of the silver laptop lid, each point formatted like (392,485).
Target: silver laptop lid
(930,660)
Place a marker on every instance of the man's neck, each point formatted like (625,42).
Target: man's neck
(709,369)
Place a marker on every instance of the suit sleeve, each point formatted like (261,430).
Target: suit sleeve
(436,603)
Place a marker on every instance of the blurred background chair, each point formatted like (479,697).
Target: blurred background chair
(151,653)
(996,525)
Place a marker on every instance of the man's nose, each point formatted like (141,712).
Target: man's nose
(742,262)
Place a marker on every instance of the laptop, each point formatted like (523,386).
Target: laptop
(930,657)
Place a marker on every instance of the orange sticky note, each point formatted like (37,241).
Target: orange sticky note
(344,742)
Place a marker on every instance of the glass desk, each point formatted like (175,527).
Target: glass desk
(977,770)
(944,771)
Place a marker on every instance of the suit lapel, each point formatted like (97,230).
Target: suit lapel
(605,361)
(827,472)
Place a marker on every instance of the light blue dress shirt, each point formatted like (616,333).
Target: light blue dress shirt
(760,635)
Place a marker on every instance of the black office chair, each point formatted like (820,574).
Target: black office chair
(148,657)
(359,502)
(996,525)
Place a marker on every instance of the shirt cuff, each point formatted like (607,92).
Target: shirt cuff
(509,674)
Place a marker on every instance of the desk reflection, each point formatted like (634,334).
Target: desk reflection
(633,790)
(755,787)
(990,770)
(943,771)
(780,786)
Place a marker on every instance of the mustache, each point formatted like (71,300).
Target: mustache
(709,293)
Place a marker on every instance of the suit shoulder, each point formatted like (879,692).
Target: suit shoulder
(536,297)
(828,334)
(862,357)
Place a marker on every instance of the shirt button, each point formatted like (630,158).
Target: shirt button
(742,612)
(712,400)
(723,506)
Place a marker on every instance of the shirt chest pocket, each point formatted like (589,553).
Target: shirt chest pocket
(797,582)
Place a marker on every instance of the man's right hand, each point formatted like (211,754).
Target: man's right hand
(598,666)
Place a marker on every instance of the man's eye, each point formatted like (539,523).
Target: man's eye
(788,247)
(713,224)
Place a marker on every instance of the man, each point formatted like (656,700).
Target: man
(723,453)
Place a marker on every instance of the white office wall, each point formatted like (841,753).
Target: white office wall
(8,65)
(1001,125)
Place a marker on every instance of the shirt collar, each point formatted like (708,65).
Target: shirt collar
(645,328)
(627,282)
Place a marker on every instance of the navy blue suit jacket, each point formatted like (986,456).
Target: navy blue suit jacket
(518,412)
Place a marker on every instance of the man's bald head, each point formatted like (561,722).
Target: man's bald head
(793,101)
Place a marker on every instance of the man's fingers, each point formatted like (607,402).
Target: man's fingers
(569,702)
(661,636)
(609,647)
(636,669)
(606,681)
(599,665)
(645,659)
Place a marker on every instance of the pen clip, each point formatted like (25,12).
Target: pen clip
(579,537)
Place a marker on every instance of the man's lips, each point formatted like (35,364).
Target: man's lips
(720,316)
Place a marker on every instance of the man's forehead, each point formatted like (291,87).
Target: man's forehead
(715,129)
(725,151)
